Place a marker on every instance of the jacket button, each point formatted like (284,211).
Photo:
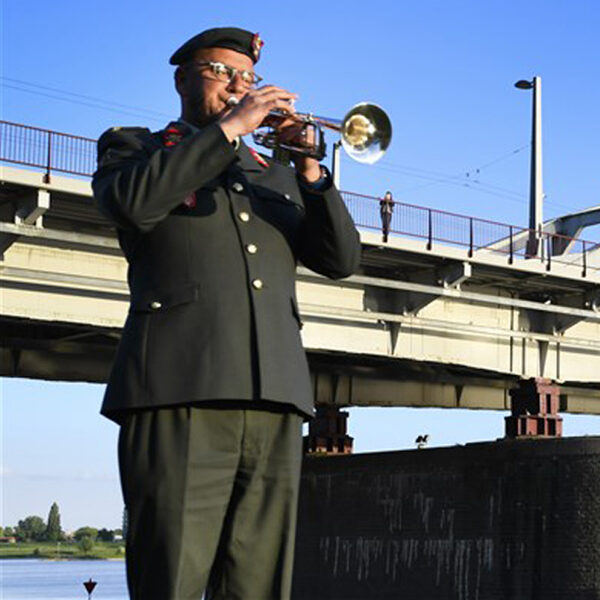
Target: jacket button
(237,187)
(257,284)
(251,248)
(155,305)
(244,216)
(287,196)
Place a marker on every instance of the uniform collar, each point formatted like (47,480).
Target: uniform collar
(247,161)
(244,158)
(236,143)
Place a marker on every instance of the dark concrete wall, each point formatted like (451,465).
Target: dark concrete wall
(510,520)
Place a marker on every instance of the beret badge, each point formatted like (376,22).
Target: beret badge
(257,44)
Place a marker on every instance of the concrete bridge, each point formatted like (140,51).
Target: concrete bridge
(450,312)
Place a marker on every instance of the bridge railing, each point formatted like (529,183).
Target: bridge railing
(58,152)
(474,234)
(46,149)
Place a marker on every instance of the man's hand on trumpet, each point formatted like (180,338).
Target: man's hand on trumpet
(249,112)
(253,111)
(300,134)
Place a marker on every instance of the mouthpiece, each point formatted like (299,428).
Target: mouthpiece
(232,101)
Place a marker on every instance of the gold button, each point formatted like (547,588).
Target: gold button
(237,187)
(251,248)
(257,284)
(155,305)
(244,216)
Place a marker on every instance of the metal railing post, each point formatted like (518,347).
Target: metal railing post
(48,159)
(470,237)
(584,256)
(510,251)
(430,230)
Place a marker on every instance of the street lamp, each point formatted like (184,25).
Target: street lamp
(536,193)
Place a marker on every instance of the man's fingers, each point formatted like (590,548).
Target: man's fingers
(283,105)
(273,93)
(267,89)
(254,108)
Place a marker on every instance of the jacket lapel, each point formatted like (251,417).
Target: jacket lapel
(251,163)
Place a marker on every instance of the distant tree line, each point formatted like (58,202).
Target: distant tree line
(35,529)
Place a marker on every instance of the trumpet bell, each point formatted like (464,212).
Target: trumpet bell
(366,132)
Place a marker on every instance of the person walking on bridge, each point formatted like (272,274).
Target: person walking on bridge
(210,383)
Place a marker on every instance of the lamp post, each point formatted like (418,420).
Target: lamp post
(536,193)
(335,163)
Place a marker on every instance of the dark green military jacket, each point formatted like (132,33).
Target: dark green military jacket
(212,237)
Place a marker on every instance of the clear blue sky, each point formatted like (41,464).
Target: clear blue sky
(444,70)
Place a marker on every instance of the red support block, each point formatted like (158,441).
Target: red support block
(327,432)
(534,409)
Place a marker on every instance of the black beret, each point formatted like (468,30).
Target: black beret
(221,37)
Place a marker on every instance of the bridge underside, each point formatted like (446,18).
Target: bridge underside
(55,351)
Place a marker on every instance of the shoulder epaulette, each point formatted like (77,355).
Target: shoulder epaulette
(118,142)
(116,136)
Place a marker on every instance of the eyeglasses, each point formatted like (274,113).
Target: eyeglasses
(225,73)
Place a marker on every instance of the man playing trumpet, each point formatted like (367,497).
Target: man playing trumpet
(210,382)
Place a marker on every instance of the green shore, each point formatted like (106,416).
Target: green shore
(62,551)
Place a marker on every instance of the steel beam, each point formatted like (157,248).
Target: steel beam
(355,280)
(570,226)
(348,314)
(361,280)
(59,237)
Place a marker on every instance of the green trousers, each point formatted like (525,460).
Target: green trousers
(211,496)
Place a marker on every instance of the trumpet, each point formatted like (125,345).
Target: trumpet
(365,132)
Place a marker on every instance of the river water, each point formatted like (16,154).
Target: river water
(61,580)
